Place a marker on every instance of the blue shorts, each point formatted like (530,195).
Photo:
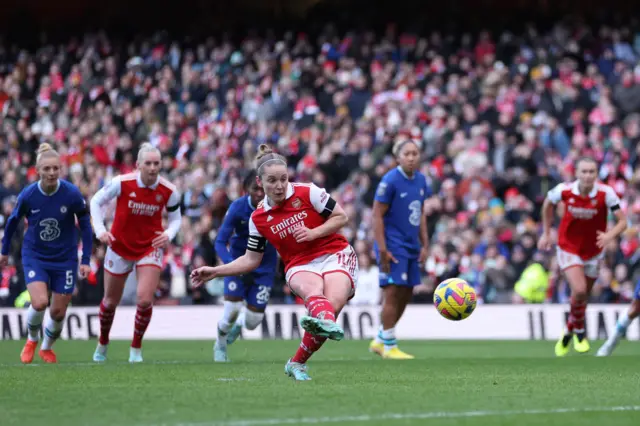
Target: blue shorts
(254,288)
(61,279)
(405,273)
(636,293)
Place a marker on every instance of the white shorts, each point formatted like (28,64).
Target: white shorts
(566,260)
(345,261)
(117,265)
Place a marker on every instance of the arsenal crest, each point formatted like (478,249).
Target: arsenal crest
(158,198)
(296,203)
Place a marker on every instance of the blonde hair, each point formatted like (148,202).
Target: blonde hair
(45,151)
(144,148)
(267,156)
(397,147)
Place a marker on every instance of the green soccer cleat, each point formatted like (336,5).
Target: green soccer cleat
(581,344)
(296,370)
(322,328)
(563,345)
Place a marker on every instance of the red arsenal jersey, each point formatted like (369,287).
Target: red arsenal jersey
(584,216)
(138,215)
(304,206)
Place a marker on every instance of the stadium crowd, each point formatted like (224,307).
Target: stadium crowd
(501,118)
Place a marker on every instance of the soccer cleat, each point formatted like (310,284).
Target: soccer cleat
(29,349)
(296,370)
(563,345)
(48,356)
(607,349)
(376,348)
(322,328)
(234,333)
(581,344)
(100,355)
(135,355)
(395,353)
(220,352)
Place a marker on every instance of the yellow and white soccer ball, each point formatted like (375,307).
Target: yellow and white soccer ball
(455,299)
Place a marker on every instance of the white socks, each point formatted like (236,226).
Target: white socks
(34,321)
(51,333)
(230,314)
(387,337)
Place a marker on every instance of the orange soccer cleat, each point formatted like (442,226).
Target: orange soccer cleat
(48,356)
(29,349)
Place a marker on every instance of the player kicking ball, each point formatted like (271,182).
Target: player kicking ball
(621,326)
(582,238)
(49,249)
(302,222)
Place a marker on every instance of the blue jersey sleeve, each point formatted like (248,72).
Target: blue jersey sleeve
(79,207)
(428,192)
(386,190)
(225,233)
(19,211)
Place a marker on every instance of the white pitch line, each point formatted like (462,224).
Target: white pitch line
(406,416)
(167,362)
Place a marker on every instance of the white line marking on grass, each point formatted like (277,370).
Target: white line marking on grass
(407,416)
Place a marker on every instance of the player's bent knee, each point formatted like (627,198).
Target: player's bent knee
(39,303)
(252,319)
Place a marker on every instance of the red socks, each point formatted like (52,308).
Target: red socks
(143,318)
(318,307)
(106,320)
(308,346)
(576,316)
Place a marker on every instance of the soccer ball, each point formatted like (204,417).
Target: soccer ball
(455,299)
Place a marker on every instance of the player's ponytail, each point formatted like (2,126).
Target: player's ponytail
(144,148)
(45,151)
(266,156)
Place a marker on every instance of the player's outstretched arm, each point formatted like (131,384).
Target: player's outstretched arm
(246,263)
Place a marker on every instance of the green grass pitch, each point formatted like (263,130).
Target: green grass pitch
(479,383)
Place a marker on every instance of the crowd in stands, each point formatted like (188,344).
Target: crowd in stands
(501,118)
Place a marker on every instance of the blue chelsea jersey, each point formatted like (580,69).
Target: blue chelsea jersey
(52,233)
(405,197)
(235,233)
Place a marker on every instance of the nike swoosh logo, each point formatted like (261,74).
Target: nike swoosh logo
(35,211)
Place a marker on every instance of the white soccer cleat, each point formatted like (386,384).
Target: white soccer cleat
(220,351)
(100,355)
(607,348)
(135,355)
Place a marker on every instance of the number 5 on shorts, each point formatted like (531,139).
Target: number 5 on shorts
(69,280)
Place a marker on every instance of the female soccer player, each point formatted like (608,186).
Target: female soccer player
(254,288)
(582,237)
(49,249)
(621,326)
(136,238)
(302,222)
(400,231)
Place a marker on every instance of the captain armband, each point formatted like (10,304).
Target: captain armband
(615,208)
(256,244)
(173,208)
(328,208)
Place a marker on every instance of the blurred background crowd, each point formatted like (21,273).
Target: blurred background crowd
(501,114)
